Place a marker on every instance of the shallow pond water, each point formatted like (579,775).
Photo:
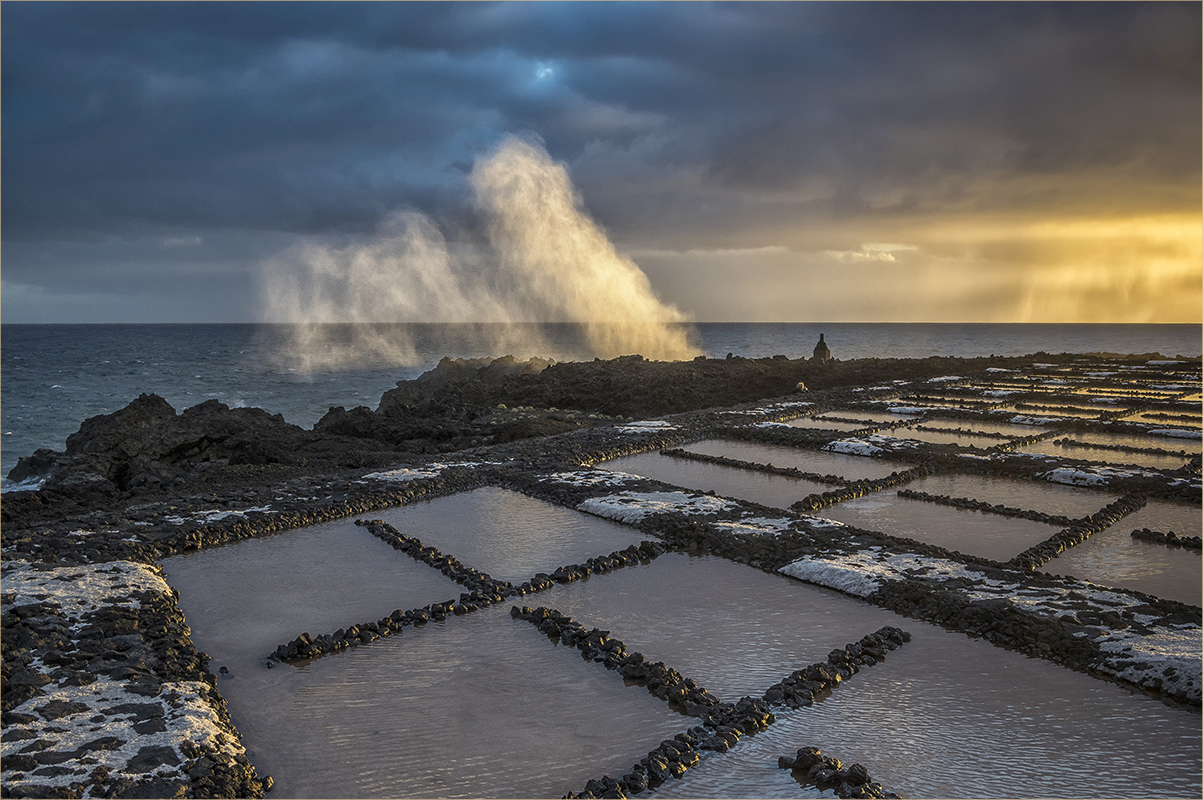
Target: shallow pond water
(1113,558)
(478,706)
(486,706)
(1150,460)
(1151,417)
(942,437)
(508,535)
(816,461)
(950,716)
(818,423)
(1137,440)
(778,491)
(868,416)
(278,586)
(966,531)
(1071,501)
(987,426)
(733,629)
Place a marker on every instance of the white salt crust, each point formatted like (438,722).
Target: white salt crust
(600,477)
(1151,654)
(1092,476)
(77,589)
(1178,433)
(855,447)
(755,526)
(400,475)
(647,426)
(632,507)
(187,715)
(214,515)
(1023,419)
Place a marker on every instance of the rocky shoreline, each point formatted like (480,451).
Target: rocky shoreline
(104,693)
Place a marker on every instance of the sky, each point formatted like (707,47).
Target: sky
(794,161)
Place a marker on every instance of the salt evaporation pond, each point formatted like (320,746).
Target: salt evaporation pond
(816,461)
(950,716)
(1113,558)
(1048,498)
(818,423)
(1150,460)
(734,630)
(964,530)
(987,426)
(878,417)
(486,706)
(1137,440)
(1152,417)
(275,587)
(476,706)
(944,437)
(506,534)
(778,491)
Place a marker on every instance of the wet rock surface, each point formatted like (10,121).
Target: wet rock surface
(1169,538)
(810,766)
(94,643)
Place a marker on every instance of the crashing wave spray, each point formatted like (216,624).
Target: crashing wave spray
(549,263)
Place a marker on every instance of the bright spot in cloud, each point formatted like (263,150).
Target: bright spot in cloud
(870,251)
(544,71)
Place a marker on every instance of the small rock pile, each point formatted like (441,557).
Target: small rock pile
(478,582)
(855,489)
(829,774)
(1170,539)
(790,472)
(802,687)
(596,645)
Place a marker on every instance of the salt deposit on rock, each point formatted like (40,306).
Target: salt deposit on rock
(592,478)
(86,586)
(125,741)
(1091,476)
(755,526)
(1178,433)
(215,515)
(400,475)
(647,426)
(631,507)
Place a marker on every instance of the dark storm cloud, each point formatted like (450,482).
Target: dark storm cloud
(684,124)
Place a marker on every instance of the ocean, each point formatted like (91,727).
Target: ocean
(53,377)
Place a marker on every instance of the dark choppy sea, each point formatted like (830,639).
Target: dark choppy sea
(56,376)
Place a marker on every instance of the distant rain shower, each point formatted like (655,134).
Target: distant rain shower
(549,262)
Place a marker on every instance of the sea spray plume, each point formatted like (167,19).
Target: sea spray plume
(404,274)
(550,263)
(556,264)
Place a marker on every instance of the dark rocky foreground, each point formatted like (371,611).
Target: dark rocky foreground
(149,451)
(92,633)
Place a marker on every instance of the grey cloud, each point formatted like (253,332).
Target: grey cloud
(685,124)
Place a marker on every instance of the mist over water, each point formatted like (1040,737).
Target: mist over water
(547,261)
